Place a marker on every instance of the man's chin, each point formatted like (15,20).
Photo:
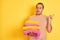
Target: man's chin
(38,13)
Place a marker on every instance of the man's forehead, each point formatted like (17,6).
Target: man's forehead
(39,5)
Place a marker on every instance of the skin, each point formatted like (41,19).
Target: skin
(44,21)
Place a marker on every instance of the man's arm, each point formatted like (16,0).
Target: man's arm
(49,26)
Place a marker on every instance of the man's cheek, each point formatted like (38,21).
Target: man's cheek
(41,10)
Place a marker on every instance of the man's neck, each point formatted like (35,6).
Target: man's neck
(38,14)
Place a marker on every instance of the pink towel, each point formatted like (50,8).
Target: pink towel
(34,31)
(29,24)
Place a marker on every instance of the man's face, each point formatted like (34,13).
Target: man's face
(39,9)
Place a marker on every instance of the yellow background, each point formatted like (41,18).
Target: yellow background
(14,12)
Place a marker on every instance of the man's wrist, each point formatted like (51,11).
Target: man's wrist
(49,21)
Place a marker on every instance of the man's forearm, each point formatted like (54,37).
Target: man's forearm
(49,26)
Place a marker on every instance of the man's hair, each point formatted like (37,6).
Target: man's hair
(41,4)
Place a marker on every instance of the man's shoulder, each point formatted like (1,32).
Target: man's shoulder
(35,16)
(31,17)
(45,16)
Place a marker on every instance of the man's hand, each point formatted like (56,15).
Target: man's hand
(32,34)
(50,17)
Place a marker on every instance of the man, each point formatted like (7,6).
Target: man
(44,21)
